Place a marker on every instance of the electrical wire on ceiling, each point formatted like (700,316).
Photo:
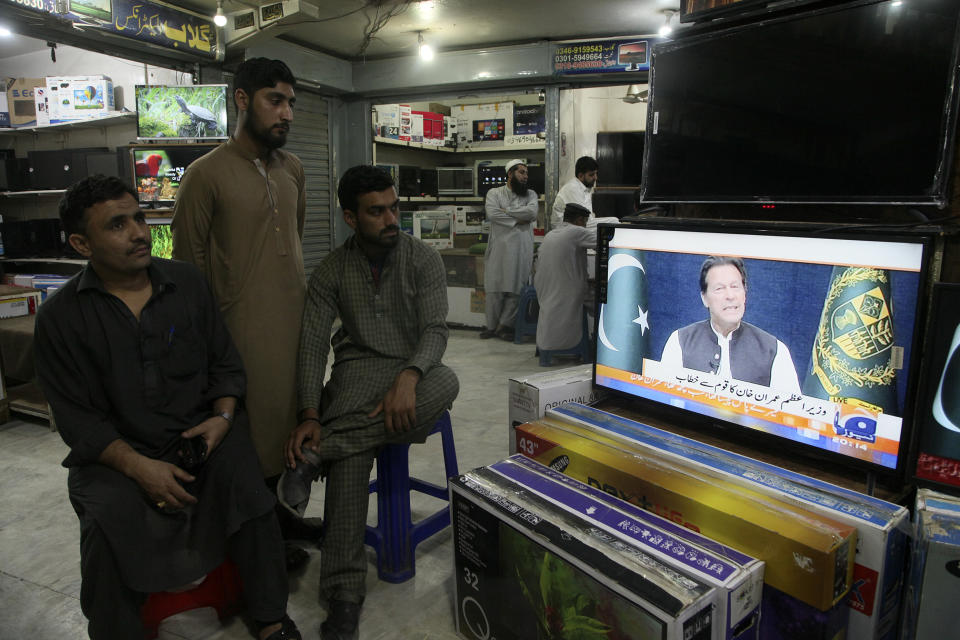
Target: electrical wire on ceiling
(379,20)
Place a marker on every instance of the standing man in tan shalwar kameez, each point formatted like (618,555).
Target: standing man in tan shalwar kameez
(239,217)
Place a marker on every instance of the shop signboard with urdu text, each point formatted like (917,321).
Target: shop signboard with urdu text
(154,22)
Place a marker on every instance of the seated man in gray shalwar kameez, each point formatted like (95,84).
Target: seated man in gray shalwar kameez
(135,360)
(388,383)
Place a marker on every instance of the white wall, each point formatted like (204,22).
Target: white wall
(586,112)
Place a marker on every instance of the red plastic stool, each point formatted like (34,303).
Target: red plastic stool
(396,536)
(221,590)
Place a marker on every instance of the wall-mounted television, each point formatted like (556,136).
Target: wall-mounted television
(818,350)
(852,103)
(189,112)
(157,170)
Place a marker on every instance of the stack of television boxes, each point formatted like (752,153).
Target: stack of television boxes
(400,122)
(34,102)
(834,558)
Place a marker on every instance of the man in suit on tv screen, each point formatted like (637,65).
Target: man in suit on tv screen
(724,344)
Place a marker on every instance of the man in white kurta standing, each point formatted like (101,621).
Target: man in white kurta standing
(578,190)
(561,280)
(512,212)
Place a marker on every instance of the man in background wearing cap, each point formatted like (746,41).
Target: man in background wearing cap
(561,280)
(512,212)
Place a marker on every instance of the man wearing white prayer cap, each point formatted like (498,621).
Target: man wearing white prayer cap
(512,213)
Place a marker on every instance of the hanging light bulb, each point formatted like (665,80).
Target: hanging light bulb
(219,19)
(426,51)
(666,29)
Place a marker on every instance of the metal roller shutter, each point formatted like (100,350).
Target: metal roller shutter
(309,140)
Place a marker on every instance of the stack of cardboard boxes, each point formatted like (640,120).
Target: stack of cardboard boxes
(30,102)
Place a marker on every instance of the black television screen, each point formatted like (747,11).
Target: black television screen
(157,169)
(854,103)
(818,348)
(189,112)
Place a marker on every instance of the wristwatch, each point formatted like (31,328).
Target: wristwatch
(226,415)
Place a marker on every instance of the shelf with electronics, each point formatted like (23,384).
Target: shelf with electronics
(444,156)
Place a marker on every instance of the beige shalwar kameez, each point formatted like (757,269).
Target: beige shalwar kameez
(241,221)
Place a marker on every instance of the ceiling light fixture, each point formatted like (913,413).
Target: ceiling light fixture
(666,29)
(219,19)
(426,51)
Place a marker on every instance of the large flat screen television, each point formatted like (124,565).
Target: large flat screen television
(157,170)
(854,103)
(819,346)
(189,112)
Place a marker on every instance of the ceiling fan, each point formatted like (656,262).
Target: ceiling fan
(635,94)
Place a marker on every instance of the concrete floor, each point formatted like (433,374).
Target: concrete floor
(39,532)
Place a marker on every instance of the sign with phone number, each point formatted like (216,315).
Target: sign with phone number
(602,56)
(158,24)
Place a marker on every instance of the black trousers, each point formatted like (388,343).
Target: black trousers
(113,609)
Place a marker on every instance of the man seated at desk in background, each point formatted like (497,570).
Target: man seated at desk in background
(561,280)
(388,383)
(724,344)
(579,190)
(143,380)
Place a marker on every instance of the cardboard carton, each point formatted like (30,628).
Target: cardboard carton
(882,528)
(526,569)
(21,104)
(737,577)
(79,97)
(930,609)
(530,396)
(808,556)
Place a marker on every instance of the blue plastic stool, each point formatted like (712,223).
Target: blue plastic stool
(396,536)
(528,311)
(582,349)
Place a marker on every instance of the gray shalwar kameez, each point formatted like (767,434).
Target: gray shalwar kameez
(384,329)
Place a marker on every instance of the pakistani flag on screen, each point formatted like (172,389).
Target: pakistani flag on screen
(854,357)
(623,333)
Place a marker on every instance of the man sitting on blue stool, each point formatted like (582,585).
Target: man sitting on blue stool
(388,384)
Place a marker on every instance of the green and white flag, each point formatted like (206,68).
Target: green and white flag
(854,356)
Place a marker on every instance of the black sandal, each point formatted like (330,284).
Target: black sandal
(287,631)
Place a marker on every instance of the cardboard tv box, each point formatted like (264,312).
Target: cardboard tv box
(808,556)
(930,608)
(21,105)
(883,528)
(79,97)
(526,569)
(529,397)
(737,577)
(434,227)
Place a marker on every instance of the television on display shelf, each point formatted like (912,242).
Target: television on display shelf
(158,169)
(938,414)
(823,334)
(850,103)
(161,237)
(189,112)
